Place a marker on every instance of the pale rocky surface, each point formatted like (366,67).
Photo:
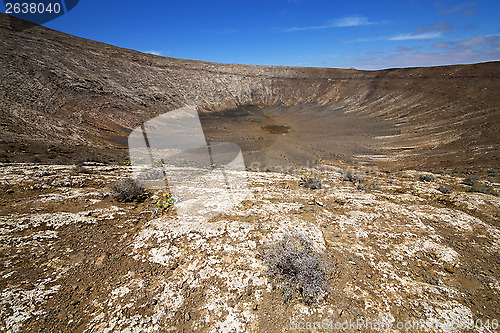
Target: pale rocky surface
(75,260)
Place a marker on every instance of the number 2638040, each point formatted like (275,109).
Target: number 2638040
(32,8)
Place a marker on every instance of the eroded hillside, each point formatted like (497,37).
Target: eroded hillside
(63,95)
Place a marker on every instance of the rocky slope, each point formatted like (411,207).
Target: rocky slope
(63,95)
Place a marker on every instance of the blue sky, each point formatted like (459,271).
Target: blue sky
(360,34)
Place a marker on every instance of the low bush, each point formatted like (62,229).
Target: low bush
(60,160)
(361,186)
(296,268)
(470,181)
(353,176)
(165,202)
(35,159)
(482,189)
(310,182)
(79,168)
(444,189)
(127,190)
(426,177)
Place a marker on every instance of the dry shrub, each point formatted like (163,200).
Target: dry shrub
(310,182)
(352,176)
(127,190)
(297,268)
(426,177)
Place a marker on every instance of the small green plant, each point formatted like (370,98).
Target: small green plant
(165,201)
(127,163)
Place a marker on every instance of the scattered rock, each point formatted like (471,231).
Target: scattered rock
(449,269)
(434,282)
(444,189)
(470,181)
(426,178)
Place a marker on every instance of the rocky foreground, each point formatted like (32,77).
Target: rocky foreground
(74,259)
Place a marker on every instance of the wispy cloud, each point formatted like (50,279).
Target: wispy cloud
(427,35)
(464,9)
(154,52)
(469,50)
(438,27)
(442,45)
(404,49)
(430,31)
(350,21)
(478,42)
(343,22)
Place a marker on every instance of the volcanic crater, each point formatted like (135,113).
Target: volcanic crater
(405,212)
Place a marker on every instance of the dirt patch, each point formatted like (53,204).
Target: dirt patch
(276,129)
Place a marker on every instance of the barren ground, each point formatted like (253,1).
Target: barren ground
(75,260)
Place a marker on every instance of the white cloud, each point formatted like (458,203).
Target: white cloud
(343,22)
(350,21)
(442,45)
(470,50)
(431,31)
(439,27)
(154,52)
(462,8)
(427,35)
(479,41)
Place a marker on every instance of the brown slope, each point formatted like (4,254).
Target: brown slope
(68,95)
